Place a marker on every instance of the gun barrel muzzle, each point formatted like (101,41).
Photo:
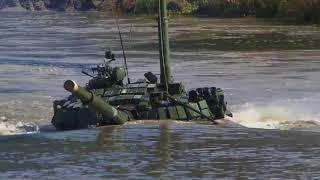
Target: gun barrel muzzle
(71,86)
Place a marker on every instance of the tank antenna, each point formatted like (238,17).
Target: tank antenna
(121,42)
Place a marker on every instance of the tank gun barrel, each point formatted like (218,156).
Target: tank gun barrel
(97,103)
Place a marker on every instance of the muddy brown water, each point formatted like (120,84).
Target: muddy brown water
(270,74)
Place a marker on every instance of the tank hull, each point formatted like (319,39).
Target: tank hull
(140,101)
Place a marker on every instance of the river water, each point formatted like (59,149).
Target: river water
(270,74)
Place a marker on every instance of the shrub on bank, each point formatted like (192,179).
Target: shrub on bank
(146,6)
(238,8)
(219,8)
(301,11)
(151,6)
(267,8)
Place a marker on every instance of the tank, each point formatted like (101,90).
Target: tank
(109,98)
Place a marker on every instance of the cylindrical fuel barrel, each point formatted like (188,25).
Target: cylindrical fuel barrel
(96,103)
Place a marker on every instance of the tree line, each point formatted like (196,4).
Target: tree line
(298,11)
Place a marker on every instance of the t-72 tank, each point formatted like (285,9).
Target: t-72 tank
(107,100)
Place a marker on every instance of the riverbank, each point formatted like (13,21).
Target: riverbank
(293,11)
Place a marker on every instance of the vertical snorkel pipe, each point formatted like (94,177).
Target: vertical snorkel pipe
(164,45)
(162,72)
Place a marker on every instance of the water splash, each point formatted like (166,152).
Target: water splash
(21,114)
(7,128)
(275,117)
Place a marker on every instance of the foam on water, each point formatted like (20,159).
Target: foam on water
(283,117)
(7,128)
(22,114)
